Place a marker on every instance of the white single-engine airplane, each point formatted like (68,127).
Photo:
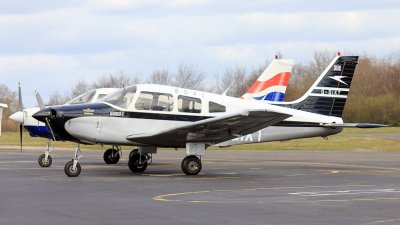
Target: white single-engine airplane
(151,116)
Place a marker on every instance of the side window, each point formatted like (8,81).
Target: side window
(216,108)
(165,102)
(154,101)
(189,104)
(144,101)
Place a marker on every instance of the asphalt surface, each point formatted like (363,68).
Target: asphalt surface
(234,187)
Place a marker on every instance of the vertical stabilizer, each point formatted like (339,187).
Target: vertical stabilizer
(272,83)
(328,95)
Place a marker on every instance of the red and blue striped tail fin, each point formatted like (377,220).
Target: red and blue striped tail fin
(271,85)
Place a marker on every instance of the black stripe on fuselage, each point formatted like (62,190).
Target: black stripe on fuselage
(104,110)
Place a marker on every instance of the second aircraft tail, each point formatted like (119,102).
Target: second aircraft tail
(272,83)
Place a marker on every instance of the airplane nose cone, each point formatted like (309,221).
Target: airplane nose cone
(42,114)
(17,117)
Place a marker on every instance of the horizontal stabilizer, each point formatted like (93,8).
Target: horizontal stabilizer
(355,125)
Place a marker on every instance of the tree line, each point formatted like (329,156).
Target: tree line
(374,95)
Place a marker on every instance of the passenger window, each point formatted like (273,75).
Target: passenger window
(216,108)
(154,101)
(165,102)
(144,101)
(189,104)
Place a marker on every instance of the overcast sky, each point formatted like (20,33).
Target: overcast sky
(51,44)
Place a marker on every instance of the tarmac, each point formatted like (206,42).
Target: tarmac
(234,187)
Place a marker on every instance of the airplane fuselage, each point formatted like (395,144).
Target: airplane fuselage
(107,123)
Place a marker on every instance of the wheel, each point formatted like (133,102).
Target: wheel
(134,152)
(69,171)
(43,162)
(191,165)
(111,156)
(137,163)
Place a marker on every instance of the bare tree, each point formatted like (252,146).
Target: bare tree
(105,81)
(57,99)
(238,80)
(80,87)
(10,98)
(304,75)
(114,80)
(234,79)
(160,77)
(188,77)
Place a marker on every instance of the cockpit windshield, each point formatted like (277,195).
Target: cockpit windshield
(121,98)
(83,98)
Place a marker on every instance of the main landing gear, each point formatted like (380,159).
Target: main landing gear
(139,160)
(73,168)
(191,164)
(112,155)
(45,159)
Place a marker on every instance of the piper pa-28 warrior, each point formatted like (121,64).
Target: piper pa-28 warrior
(151,116)
(270,86)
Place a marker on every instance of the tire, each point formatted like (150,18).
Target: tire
(134,163)
(108,156)
(134,152)
(68,169)
(191,165)
(43,163)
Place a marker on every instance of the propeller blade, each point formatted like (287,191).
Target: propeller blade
(39,99)
(20,135)
(21,108)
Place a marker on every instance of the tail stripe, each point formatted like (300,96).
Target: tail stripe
(281,79)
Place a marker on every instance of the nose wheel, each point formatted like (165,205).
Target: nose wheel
(45,161)
(191,165)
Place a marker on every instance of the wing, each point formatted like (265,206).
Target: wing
(213,130)
(354,125)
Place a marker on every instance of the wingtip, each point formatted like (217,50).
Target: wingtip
(371,125)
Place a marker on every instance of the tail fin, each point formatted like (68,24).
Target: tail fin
(327,96)
(272,83)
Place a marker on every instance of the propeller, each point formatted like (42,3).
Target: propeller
(22,110)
